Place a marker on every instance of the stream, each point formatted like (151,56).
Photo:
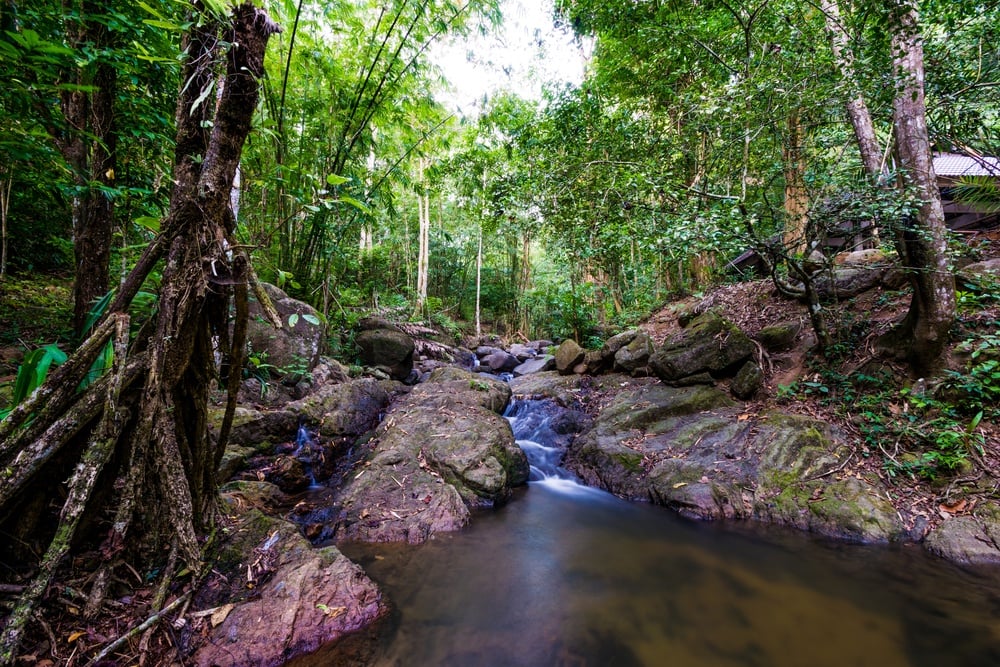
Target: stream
(571,576)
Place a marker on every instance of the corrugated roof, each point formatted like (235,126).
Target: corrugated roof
(955,165)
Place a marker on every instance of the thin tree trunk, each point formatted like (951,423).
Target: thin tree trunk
(5,188)
(921,241)
(857,108)
(796,195)
(479,282)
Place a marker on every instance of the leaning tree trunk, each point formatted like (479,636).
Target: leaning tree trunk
(857,108)
(920,240)
(146,421)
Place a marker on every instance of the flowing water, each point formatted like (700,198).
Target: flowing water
(566,575)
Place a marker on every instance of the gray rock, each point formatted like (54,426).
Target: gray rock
(709,344)
(499,361)
(779,337)
(635,354)
(617,342)
(748,381)
(969,540)
(569,355)
(295,348)
(692,450)
(387,350)
(442,450)
(347,409)
(987,267)
(539,364)
(522,352)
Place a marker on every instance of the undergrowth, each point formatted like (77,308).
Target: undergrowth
(929,431)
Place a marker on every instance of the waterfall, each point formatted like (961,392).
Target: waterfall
(532,423)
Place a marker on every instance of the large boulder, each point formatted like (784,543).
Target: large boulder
(539,364)
(971,539)
(389,350)
(693,449)
(709,344)
(442,450)
(304,598)
(349,409)
(294,349)
(568,356)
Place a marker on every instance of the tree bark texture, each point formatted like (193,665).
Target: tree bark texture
(796,194)
(161,472)
(89,146)
(920,241)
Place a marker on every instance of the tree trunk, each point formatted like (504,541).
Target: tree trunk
(857,109)
(796,195)
(424,226)
(89,147)
(921,241)
(164,481)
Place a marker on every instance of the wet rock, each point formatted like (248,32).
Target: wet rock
(295,348)
(568,355)
(388,350)
(256,428)
(748,381)
(709,344)
(499,361)
(347,409)
(968,540)
(289,474)
(442,450)
(305,598)
(693,450)
(522,352)
(564,389)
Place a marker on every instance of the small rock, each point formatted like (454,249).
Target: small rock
(748,381)
(568,356)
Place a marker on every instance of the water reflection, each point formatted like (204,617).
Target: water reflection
(558,580)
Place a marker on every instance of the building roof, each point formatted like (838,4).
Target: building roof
(954,165)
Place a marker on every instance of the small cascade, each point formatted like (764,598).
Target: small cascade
(532,422)
(309,452)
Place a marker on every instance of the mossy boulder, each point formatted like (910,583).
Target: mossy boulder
(779,337)
(635,355)
(348,409)
(748,381)
(708,344)
(694,450)
(388,350)
(569,355)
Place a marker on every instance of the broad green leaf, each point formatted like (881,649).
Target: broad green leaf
(334,179)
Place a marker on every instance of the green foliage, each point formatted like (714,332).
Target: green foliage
(32,373)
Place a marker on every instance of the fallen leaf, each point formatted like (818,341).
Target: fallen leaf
(75,635)
(955,507)
(220,614)
(704,479)
(680,484)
